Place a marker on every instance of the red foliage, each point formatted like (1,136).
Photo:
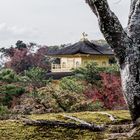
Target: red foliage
(23,59)
(40,59)
(17,60)
(110,93)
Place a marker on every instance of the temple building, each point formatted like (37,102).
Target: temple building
(80,53)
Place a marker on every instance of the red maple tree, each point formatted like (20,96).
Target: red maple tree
(110,92)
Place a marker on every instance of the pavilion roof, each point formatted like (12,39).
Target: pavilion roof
(83,47)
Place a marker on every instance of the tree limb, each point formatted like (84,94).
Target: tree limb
(132,8)
(63,124)
(134,21)
(93,8)
(109,115)
(111,27)
(77,120)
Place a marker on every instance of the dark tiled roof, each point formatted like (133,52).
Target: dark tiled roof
(83,47)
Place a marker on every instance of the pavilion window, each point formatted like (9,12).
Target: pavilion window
(77,64)
(104,63)
(64,65)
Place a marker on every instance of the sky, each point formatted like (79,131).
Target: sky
(52,22)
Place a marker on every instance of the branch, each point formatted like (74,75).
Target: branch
(134,21)
(132,8)
(93,8)
(110,27)
(77,120)
(62,124)
(109,115)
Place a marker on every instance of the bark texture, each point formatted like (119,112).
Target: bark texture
(126,46)
(90,127)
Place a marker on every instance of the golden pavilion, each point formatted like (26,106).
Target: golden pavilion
(80,53)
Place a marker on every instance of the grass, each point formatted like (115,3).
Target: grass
(15,130)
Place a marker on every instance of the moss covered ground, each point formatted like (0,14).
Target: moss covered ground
(16,130)
(91,117)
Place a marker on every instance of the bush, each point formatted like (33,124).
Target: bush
(88,105)
(8,76)
(7,92)
(67,99)
(114,69)
(110,93)
(36,77)
(90,73)
(4,110)
(71,84)
(54,100)
(4,113)
(46,97)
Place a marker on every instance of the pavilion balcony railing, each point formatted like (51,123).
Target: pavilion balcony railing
(62,68)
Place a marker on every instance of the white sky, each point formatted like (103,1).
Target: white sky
(52,22)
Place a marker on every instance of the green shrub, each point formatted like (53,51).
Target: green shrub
(8,76)
(54,100)
(90,73)
(47,97)
(88,105)
(36,77)
(57,100)
(71,84)
(9,91)
(114,69)
(4,110)
(5,113)
(66,99)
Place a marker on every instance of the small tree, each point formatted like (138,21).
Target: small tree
(8,92)
(35,77)
(9,76)
(109,93)
(23,57)
(71,84)
(10,86)
(90,73)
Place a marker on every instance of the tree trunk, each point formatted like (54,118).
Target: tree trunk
(126,46)
(130,75)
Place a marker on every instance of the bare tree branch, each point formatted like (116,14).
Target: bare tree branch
(132,8)
(71,125)
(110,27)
(134,21)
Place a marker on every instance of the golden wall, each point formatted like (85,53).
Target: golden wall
(101,60)
(69,62)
